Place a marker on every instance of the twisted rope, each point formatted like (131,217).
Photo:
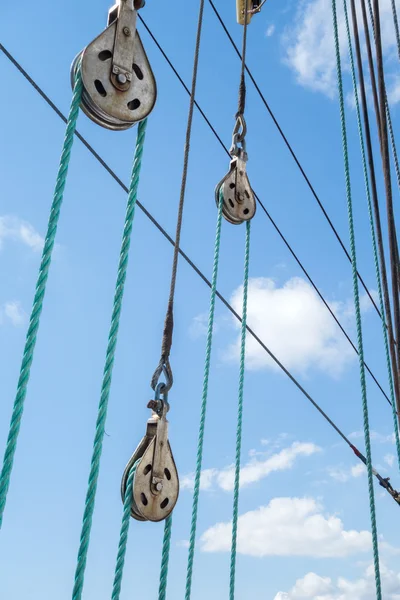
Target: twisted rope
(31,336)
(162,590)
(371,222)
(240,415)
(196,491)
(123,536)
(357,308)
(109,363)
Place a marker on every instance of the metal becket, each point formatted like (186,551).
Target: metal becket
(156,483)
(238,201)
(119,88)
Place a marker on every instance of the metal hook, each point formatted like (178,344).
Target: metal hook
(238,136)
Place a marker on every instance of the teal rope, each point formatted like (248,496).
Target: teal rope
(357,308)
(396,26)
(109,363)
(39,296)
(189,574)
(123,536)
(240,415)
(162,590)
(371,222)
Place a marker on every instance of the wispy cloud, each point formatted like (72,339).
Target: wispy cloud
(13,313)
(315,587)
(270,30)
(253,471)
(17,230)
(309,46)
(344,474)
(380,438)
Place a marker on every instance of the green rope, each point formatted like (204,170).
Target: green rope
(357,308)
(396,26)
(371,222)
(109,363)
(123,536)
(123,540)
(162,590)
(196,491)
(240,415)
(39,295)
(393,144)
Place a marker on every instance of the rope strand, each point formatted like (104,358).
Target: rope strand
(40,291)
(240,414)
(357,307)
(162,590)
(369,203)
(108,368)
(196,491)
(123,536)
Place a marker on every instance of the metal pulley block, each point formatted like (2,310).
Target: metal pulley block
(119,88)
(156,483)
(239,203)
(248,7)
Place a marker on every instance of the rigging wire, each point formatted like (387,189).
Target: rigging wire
(164,363)
(382,277)
(383,297)
(346,162)
(264,209)
(382,481)
(294,156)
(384,146)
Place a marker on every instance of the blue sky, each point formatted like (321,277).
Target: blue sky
(304,505)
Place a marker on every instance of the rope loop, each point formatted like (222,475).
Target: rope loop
(163,368)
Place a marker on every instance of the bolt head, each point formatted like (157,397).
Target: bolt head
(126,31)
(121,78)
(159,486)
(115,70)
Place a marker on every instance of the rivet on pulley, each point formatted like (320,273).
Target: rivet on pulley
(156,483)
(119,88)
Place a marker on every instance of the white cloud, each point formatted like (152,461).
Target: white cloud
(270,30)
(343,474)
(252,471)
(288,527)
(206,480)
(310,586)
(13,312)
(389,459)
(309,46)
(294,323)
(375,436)
(15,229)
(314,587)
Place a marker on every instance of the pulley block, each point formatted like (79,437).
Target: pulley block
(119,88)
(156,482)
(246,7)
(239,203)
